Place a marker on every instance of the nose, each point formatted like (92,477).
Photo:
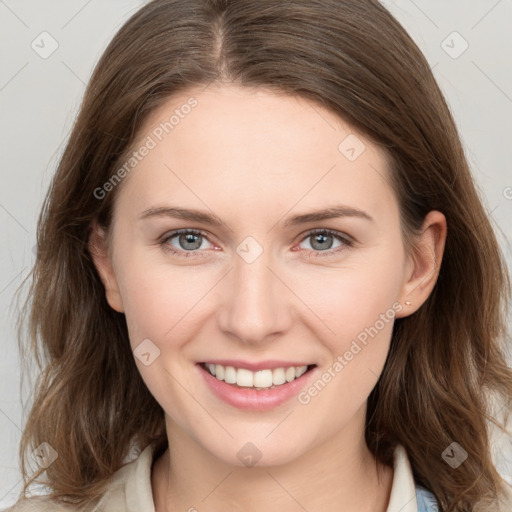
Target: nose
(256,304)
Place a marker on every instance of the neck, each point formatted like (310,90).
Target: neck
(340,474)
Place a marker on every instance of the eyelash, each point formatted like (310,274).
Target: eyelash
(347,242)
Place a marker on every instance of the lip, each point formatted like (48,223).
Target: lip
(270,364)
(251,399)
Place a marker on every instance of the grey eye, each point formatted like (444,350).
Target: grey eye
(190,241)
(321,241)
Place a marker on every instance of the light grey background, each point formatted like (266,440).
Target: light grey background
(39,98)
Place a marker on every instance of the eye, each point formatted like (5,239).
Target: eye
(187,242)
(322,242)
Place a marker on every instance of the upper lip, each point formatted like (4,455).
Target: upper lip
(256,366)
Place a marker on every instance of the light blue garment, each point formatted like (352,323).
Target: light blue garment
(426,500)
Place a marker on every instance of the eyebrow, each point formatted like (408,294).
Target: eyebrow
(213,220)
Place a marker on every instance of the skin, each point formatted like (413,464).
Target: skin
(255,158)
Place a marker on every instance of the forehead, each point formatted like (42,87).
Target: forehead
(254,147)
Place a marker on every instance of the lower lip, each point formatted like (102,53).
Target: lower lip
(252,399)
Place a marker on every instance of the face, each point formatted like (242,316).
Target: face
(265,286)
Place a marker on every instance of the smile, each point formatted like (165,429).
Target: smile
(259,389)
(261,379)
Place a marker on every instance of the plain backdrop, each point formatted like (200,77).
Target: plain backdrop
(48,51)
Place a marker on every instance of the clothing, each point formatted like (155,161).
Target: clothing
(426,501)
(131,490)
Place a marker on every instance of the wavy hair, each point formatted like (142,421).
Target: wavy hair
(355,59)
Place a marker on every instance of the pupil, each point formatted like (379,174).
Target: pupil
(320,238)
(190,238)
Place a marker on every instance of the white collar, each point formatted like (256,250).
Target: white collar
(403,489)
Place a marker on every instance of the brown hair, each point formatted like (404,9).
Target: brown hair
(356,60)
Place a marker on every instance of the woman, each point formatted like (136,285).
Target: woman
(263,269)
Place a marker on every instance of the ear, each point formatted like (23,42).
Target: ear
(423,264)
(98,248)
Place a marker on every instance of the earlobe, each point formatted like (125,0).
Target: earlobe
(98,249)
(424,263)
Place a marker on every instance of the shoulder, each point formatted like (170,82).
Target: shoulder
(406,494)
(426,500)
(129,490)
(113,497)
(38,504)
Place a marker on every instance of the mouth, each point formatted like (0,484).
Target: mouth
(258,390)
(267,378)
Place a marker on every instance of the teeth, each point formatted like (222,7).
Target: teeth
(230,375)
(290,374)
(300,370)
(244,378)
(278,376)
(262,379)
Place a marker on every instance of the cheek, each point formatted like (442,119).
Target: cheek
(349,299)
(360,307)
(357,305)
(163,305)
(160,298)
